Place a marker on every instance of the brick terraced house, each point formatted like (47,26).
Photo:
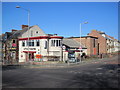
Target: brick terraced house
(107,44)
(11,46)
(17,47)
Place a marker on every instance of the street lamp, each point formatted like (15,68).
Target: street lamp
(80,37)
(28,25)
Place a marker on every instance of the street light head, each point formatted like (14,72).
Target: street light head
(17,6)
(85,22)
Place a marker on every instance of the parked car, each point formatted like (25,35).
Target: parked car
(72,60)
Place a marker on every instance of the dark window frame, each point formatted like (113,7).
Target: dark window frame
(46,43)
(37,32)
(13,41)
(37,43)
(32,43)
(23,43)
(94,43)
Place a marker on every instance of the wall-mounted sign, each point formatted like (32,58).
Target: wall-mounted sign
(29,48)
(64,47)
(38,56)
(14,45)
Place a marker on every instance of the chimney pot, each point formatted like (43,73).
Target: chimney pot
(55,34)
(23,26)
(13,30)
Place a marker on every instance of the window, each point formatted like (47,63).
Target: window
(32,43)
(13,41)
(36,31)
(93,42)
(45,44)
(23,43)
(59,43)
(37,43)
(52,43)
(56,43)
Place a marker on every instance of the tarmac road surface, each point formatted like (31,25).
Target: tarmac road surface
(103,74)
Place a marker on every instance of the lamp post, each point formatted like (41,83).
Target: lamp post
(28,26)
(80,38)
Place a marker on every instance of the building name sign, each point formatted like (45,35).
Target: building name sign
(29,48)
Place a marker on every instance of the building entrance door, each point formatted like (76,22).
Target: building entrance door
(31,56)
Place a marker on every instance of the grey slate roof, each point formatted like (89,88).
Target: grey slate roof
(72,43)
(84,37)
(16,34)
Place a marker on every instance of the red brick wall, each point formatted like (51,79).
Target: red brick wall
(101,41)
(23,26)
(88,42)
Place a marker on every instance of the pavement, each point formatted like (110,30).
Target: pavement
(63,65)
(102,73)
(60,64)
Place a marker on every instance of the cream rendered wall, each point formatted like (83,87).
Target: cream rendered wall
(65,56)
(34,29)
(53,50)
(42,47)
(39,50)
(21,59)
(116,46)
(110,45)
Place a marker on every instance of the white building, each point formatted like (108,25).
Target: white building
(39,46)
(116,46)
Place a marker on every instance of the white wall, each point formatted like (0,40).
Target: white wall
(33,30)
(53,51)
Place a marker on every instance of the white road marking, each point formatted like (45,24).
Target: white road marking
(99,73)
(99,68)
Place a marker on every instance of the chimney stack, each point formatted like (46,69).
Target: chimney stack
(23,26)
(13,30)
(55,34)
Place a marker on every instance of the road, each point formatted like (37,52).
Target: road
(101,74)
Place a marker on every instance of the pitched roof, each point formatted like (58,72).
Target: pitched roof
(84,37)
(16,34)
(72,43)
